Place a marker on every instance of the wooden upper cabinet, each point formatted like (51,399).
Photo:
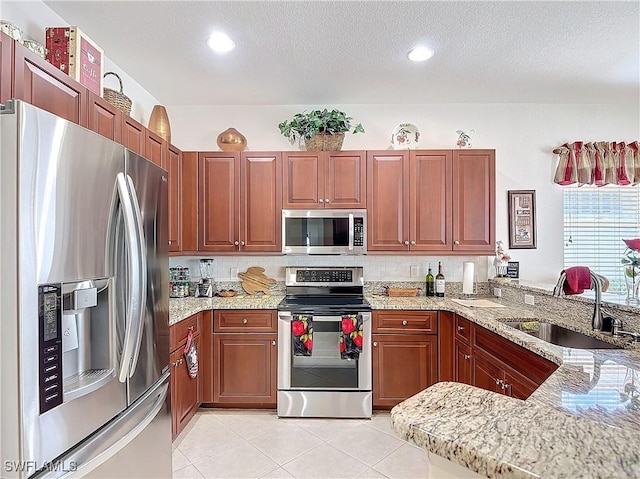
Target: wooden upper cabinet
(134,135)
(324,179)
(6,67)
(388,200)
(430,220)
(104,118)
(303,177)
(474,200)
(174,156)
(218,201)
(43,85)
(188,223)
(155,149)
(261,201)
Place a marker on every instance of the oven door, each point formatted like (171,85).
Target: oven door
(324,370)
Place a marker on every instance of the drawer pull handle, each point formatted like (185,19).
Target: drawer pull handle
(245,321)
(460,328)
(404,322)
(375,343)
(467,356)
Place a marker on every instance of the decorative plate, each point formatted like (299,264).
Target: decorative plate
(405,136)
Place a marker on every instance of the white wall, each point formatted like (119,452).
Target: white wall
(523,136)
(34,16)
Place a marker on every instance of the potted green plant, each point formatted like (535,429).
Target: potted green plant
(320,129)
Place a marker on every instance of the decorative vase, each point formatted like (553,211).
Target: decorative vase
(632,282)
(159,123)
(232,140)
(324,142)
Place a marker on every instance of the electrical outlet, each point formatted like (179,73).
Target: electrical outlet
(529,299)
(414,270)
(233,273)
(497,292)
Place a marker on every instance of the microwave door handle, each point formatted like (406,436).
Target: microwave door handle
(351,226)
(133,282)
(141,266)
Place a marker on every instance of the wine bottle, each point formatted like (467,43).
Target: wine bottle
(440,281)
(430,289)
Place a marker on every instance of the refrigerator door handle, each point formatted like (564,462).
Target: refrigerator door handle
(133,280)
(113,438)
(142,276)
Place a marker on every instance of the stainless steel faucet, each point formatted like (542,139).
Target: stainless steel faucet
(596,285)
(616,330)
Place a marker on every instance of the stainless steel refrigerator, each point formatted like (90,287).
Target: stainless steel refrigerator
(84,325)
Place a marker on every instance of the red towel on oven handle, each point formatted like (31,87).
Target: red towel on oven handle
(578,279)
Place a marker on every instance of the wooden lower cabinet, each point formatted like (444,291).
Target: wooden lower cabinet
(462,362)
(485,373)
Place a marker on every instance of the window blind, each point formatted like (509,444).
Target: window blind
(596,219)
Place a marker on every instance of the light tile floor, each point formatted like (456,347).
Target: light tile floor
(224,443)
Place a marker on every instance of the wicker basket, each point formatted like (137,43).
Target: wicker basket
(117,98)
(325,142)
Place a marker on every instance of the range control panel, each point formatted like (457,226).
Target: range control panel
(324,276)
(50,345)
(358,231)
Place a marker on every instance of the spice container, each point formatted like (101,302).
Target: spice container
(179,277)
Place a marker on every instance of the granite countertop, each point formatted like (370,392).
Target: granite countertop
(182,308)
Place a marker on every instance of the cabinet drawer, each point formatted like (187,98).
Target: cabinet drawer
(404,321)
(462,328)
(244,320)
(179,331)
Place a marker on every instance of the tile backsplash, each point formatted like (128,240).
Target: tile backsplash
(376,267)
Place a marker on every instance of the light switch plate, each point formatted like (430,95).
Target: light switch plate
(529,299)
(233,273)
(497,292)
(414,271)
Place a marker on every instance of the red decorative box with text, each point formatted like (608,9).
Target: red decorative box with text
(74,53)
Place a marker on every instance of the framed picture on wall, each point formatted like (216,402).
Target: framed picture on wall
(522,219)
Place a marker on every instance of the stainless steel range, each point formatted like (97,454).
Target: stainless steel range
(324,337)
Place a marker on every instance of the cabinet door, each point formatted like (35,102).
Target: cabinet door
(430,223)
(186,392)
(38,82)
(485,374)
(302,175)
(134,135)
(518,386)
(261,203)
(462,362)
(104,118)
(393,380)
(174,157)
(474,200)
(245,369)
(189,201)
(446,347)
(219,201)
(388,201)
(6,67)
(345,179)
(155,149)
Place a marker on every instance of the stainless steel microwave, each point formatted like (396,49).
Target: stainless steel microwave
(324,231)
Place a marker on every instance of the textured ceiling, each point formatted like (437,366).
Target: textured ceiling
(349,52)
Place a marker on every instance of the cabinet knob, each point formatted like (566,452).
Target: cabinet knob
(460,328)
(273,343)
(245,321)
(456,242)
(467,356)
(326,200)
(321,200)
(497,381)
(407,242)
(170,241)
(404,322)
(241,243)
(191,328)
(413,242)
(236,243)
(375,343)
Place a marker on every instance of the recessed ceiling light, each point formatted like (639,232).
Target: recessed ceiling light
(220,43)
(420,54)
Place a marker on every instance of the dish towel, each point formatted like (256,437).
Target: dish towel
(578,279)
(351,336)
(191,355)
(302,334)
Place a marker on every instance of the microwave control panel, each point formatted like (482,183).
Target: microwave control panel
(50,345)
(358,232)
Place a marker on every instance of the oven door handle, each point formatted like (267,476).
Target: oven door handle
(351,233)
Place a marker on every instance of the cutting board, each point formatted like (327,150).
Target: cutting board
(478,303)
(254,280)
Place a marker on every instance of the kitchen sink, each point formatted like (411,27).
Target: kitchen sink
(552,333)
